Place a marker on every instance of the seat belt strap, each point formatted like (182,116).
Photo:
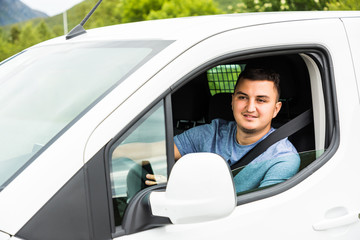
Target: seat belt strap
(282,132)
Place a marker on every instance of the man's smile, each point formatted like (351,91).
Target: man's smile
(249,116)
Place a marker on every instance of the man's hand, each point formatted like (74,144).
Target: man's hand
(155,179)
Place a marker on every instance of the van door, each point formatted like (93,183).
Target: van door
(319,202)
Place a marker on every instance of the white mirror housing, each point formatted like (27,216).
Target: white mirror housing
(200,188)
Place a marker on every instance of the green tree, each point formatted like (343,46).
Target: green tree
(4,49)
(58,30)
(14,33)
(227,5)
(184,8)
(278,5)
(307,5)
(44,32)
(111,9)
(108,13)
(138,10)
(344,5)
(28,37)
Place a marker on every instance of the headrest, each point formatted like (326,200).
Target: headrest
(220,107)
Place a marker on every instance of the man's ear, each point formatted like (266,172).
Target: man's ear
(277,108)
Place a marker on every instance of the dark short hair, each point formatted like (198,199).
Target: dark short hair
(259,73)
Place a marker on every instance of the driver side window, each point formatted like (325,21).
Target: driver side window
(206,99)
(140,150)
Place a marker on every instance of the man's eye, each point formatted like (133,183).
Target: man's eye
(261,100)
(241,97)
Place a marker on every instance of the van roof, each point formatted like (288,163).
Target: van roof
(196,28)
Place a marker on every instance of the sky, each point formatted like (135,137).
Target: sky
(51,7)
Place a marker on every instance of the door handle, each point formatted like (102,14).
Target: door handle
(336,222)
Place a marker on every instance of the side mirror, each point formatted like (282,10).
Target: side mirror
(200,188)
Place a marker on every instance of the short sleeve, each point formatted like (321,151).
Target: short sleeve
(194,139)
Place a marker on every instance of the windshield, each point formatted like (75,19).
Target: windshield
(45,89)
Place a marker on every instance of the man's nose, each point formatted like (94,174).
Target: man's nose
(251,106)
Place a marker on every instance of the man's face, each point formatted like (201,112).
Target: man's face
(254,105)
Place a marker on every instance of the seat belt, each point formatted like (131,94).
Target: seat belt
(282,132)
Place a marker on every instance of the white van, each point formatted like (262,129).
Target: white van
(67,103)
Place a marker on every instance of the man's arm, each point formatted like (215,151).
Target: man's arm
(176,153)
(282,170)
(139,151)
(155,179)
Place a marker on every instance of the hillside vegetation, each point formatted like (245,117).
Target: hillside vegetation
(15,38)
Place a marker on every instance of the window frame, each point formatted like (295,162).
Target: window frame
(322,59)
(117,231)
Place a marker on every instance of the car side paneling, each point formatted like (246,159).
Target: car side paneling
(311,196)
(352,26)
(79,210)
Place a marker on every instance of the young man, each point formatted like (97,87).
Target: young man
(255,102)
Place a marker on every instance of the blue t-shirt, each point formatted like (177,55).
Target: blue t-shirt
(277,164)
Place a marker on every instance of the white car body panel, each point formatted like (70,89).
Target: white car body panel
(270,212)
(352,26)
(331,190)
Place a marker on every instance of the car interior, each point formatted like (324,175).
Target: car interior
(208,96)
